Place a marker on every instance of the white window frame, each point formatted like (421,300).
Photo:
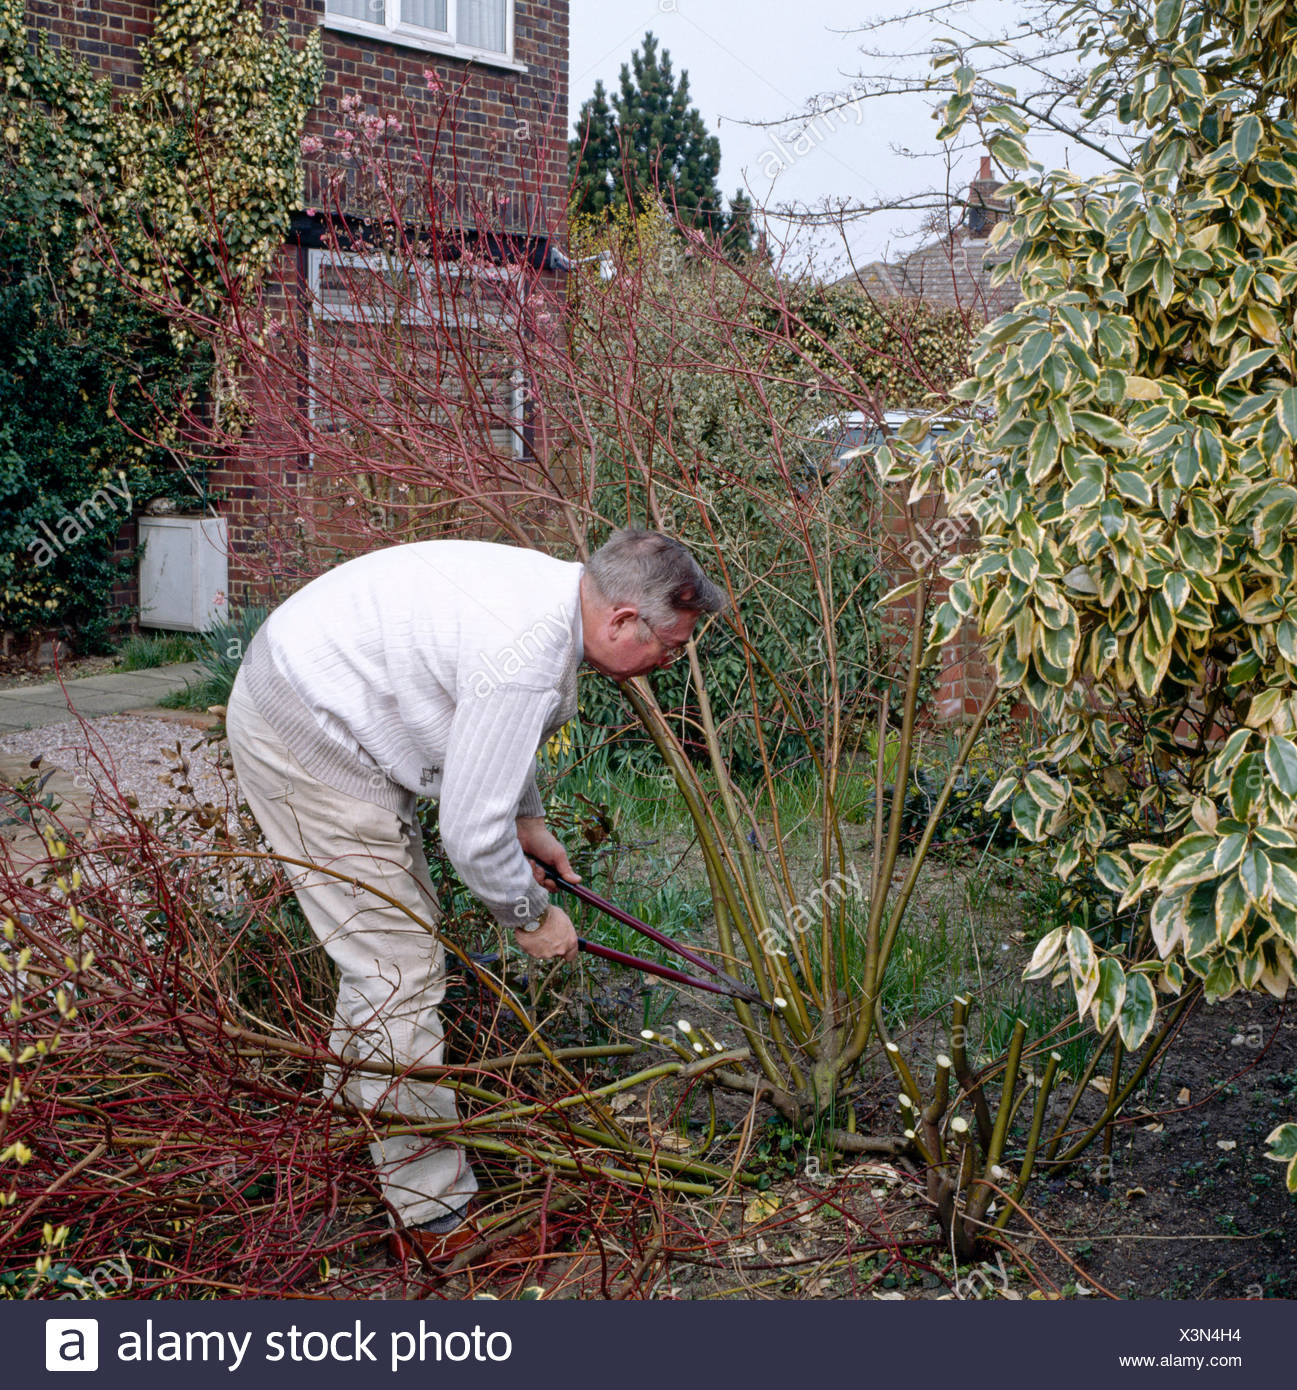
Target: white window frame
(318,258)
(392,30)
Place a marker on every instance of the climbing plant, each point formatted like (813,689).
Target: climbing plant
(904,350)
(180,185)
(206,156)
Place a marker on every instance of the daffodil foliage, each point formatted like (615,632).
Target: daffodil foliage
(1129,458)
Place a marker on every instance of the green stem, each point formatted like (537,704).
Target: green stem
(864,1023)
(1033,1139)
(710,840)
(980,1198)
(875,956)
(969,1084)
(1079,1090)
(1114,1081)
(572,1165)
(1137,1076)
(902,1069)
(738,839)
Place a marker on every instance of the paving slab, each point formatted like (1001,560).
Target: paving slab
(151,680)
(34,706)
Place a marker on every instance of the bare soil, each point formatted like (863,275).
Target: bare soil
(18,671)
(1187,1205)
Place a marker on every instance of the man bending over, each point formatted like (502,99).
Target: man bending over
(434,669)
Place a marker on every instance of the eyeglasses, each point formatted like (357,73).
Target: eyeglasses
(671,651)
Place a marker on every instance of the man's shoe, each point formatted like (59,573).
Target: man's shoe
(432,1248)
(436,1247)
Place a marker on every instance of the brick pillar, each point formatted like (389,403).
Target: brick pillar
(964,675)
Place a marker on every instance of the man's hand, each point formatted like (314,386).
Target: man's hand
(556,936)
(535,838)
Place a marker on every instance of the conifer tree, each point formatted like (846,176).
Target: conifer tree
(739,229)
(649,139)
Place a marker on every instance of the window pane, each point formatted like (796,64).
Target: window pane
(427,14)
(482,24)
(372,10)
(439,376)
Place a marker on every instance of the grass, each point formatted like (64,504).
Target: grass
(1044,1013)
(145,650)
(199,695)
(931,962)
(655,897)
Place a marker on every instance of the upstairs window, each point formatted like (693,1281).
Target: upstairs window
(481,28)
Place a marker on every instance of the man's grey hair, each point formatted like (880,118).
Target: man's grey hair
(654,574)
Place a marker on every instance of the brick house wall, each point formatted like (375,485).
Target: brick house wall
(106,33)
(964,676)
(511,134)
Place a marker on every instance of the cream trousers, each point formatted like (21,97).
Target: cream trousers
(391,970)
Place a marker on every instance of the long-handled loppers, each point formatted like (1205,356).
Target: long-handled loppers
(720,983)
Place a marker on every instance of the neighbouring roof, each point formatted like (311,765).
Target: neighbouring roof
(954,270)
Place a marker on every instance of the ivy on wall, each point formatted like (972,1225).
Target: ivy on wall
(210,145)
(104,202)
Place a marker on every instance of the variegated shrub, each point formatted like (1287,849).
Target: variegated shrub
(1129,459)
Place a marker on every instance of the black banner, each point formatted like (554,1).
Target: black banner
(626,1346)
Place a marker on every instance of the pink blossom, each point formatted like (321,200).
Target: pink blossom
(311,144)
(431,81)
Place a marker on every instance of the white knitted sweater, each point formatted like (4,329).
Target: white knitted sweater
(434,669)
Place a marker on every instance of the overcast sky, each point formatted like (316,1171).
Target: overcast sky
(760,60)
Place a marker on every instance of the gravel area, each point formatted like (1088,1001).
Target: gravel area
(136,752)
